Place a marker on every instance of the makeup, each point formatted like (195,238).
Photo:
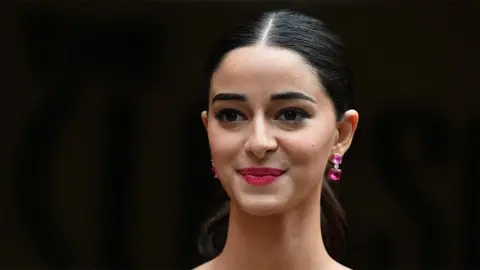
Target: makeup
(261,176)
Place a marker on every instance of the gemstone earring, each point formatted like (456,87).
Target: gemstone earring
(335,173)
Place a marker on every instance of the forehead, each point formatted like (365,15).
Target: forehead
(264,69)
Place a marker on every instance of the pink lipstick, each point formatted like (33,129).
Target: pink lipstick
(261,176)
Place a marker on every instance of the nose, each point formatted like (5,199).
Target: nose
(260,141)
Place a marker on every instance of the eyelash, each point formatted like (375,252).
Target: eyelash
(303,114)
(222,113)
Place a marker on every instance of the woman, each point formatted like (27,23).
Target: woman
(279,121)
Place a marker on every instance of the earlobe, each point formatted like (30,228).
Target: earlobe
(345,131)
(204,117)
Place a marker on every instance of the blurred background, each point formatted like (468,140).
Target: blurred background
(105,162)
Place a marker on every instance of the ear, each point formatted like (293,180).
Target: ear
(204,116)
(345,130)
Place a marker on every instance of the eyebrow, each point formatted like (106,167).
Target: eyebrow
(229,96)
(291,95)
(273,97)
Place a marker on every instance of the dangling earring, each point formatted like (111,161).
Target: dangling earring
(335,173)
(214,171)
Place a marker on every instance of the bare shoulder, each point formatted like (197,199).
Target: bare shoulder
(342,267)
(205,266)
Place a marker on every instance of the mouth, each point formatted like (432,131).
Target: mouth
(261,176)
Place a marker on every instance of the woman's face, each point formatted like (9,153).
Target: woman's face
(268,110)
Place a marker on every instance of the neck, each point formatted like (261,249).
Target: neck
(291,240)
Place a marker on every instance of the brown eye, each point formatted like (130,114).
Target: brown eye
(229,115)
(292,115)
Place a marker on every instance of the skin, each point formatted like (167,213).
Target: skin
(275,226)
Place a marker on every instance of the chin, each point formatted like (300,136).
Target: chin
(261,205)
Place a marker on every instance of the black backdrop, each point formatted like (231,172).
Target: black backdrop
(105,162)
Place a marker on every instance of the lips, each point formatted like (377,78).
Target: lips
(261,176)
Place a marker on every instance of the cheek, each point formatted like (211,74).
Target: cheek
(309,147)
(224,146)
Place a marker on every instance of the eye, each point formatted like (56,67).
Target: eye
(292,115)
(229,115)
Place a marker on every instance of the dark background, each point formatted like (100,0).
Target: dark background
(105,162)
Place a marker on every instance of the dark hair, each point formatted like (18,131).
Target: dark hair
(324,51)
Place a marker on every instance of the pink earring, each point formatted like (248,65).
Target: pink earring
(335,173)
(214,171)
